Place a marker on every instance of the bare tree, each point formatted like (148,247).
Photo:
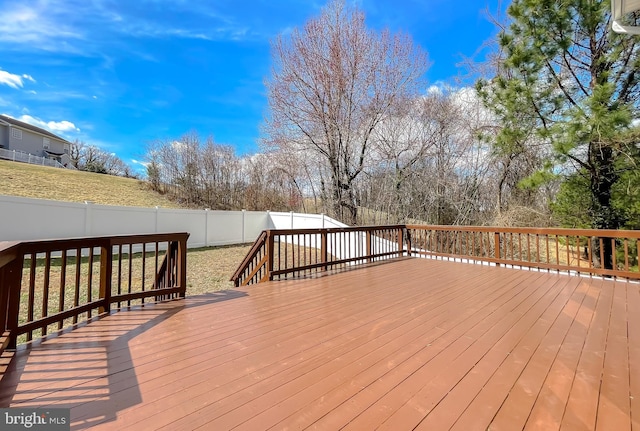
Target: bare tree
(75,153)
(332,83)
(93,159)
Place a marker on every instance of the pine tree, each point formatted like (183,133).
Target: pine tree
(565,75)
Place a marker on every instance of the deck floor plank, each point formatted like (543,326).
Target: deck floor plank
(518,379)
(633,314)
(404,344)
(437,377)
(466,376)
(347,399)
(614,405)
(582,405)
(331,369)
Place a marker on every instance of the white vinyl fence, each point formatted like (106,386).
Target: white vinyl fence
(23,219)
(21,156)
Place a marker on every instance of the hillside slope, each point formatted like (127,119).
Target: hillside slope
(22,179)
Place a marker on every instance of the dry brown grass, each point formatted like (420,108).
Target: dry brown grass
(209,269)
(43,182)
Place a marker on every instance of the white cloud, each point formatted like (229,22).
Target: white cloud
(54,126)
(13,80)
(38,24)
(70,26)
(138,162)
(434,89)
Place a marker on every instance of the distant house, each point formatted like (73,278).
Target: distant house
(19,137)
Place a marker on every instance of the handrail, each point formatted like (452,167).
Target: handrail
(251,254)
(612,233)
(52,284)
(282,253)
(611,253)
(285,253)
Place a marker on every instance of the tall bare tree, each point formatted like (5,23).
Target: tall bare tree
(332,83)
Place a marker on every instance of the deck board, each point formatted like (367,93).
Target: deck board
(408,344)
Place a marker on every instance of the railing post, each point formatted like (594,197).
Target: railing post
(11,281)
(324,254)
(369,245)
(496,241)
(400,242)
(182,267)
(270,249)
(408,233)
(106,271)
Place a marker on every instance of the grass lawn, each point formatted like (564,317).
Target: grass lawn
(43,182)
(209,269)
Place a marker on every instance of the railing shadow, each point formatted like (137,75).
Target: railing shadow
(95,364)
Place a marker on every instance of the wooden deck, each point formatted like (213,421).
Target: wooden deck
(411,344)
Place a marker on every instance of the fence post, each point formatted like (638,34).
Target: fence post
(106,271)
(244,225)
(88,215)
(206,227)
(400,242)
(369,245)
(270,250)
(496,246)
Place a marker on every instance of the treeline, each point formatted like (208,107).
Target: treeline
(205,174)
(93,159)
(430,162)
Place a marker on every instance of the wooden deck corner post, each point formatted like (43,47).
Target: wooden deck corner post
(408,236)
(182,266)
(369,245)
(106,272)
(400,239)
(270,252)
(496,241)
(324,254)
(11,281)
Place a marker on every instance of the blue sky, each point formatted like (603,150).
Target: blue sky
(120,74)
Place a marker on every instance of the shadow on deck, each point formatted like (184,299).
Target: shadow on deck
(87,368)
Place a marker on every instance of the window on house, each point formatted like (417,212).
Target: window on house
(16,133)
(45,143)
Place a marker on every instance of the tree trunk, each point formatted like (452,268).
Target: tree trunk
(602,178)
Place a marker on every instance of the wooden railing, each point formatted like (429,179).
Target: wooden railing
(612,253)
(280,254)
(49,285)
(253,268)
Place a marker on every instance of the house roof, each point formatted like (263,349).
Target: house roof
(30,127)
